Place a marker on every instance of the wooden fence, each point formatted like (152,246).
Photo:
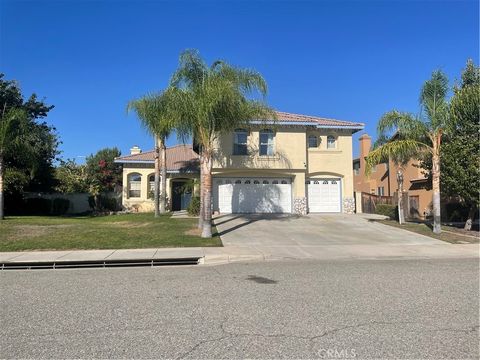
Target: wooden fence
(370,202)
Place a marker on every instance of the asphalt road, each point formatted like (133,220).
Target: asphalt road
(339,310)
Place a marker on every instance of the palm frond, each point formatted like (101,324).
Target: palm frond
(400,151)
(10,126)
(433,99)
(402,125)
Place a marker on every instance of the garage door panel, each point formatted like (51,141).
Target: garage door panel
(254,195)
(324,195)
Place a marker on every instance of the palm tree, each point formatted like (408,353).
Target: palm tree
(206,101)
(400,160)
(10,122)
(420,135)
(150,110)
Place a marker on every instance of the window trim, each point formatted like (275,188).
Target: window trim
(272,144)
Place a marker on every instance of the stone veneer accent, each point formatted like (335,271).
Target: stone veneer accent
(300,206)
(349,205)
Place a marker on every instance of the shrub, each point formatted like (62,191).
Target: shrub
(103,203)
(193,208)
(38,206)
(60,206)
(456,211)
(387,210)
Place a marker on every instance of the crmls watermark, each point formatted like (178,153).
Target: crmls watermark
(337,353)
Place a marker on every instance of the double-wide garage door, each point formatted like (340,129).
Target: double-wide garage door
(324,195)
(252,195)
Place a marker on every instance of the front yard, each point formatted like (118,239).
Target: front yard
(127,231)
(449,233)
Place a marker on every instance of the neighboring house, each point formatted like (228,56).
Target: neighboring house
(383,180)
(138,177)
(297,164)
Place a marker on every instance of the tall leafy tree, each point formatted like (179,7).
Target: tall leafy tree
(27,147)
(460,154)
(207,100)
(103,174)
(71,177)
(420,134)
(150,109)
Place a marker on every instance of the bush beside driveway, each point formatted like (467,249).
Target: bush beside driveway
(128,231)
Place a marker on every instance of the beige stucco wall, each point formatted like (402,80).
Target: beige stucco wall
(143,203)
(323,162)
(289,145)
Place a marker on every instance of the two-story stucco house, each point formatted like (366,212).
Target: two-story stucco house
(297,164)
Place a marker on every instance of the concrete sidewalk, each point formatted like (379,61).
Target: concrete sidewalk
(227,254)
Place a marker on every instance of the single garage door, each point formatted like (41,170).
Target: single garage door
(252,195)
(324,195)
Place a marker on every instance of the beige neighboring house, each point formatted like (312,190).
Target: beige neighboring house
(383,181)
(297,164)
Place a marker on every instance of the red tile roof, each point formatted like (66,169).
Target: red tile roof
(179,158)
(287,117)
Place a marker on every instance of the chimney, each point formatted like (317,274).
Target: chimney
(365,145)
(135,150)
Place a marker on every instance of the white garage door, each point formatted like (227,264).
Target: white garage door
(324,195)
(252,195)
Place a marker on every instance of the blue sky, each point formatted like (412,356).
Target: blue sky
(346,60)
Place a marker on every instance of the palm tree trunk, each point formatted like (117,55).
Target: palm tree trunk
(471,214)
(202,186)
(163,169)
(1,187)
(437,229)
(157,179)
(207,194)
(401,213)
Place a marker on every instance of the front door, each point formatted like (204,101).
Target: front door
(181,195)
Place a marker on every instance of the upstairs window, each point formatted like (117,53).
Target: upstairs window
(331,142)
(240,142)
(312,141)
(266,143)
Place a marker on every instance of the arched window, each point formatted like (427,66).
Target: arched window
(240,142)
(238,181)
(134,185)
(247,182)
(266,142)
(312,141)
(331,142)
(325,182)
(256,182)
(284,181)
(151,182)
(334,182)
(266,182)
(275,182)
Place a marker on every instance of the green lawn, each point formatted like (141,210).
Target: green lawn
(451,235)
(127,231)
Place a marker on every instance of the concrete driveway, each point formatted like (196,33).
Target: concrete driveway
(319,236)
